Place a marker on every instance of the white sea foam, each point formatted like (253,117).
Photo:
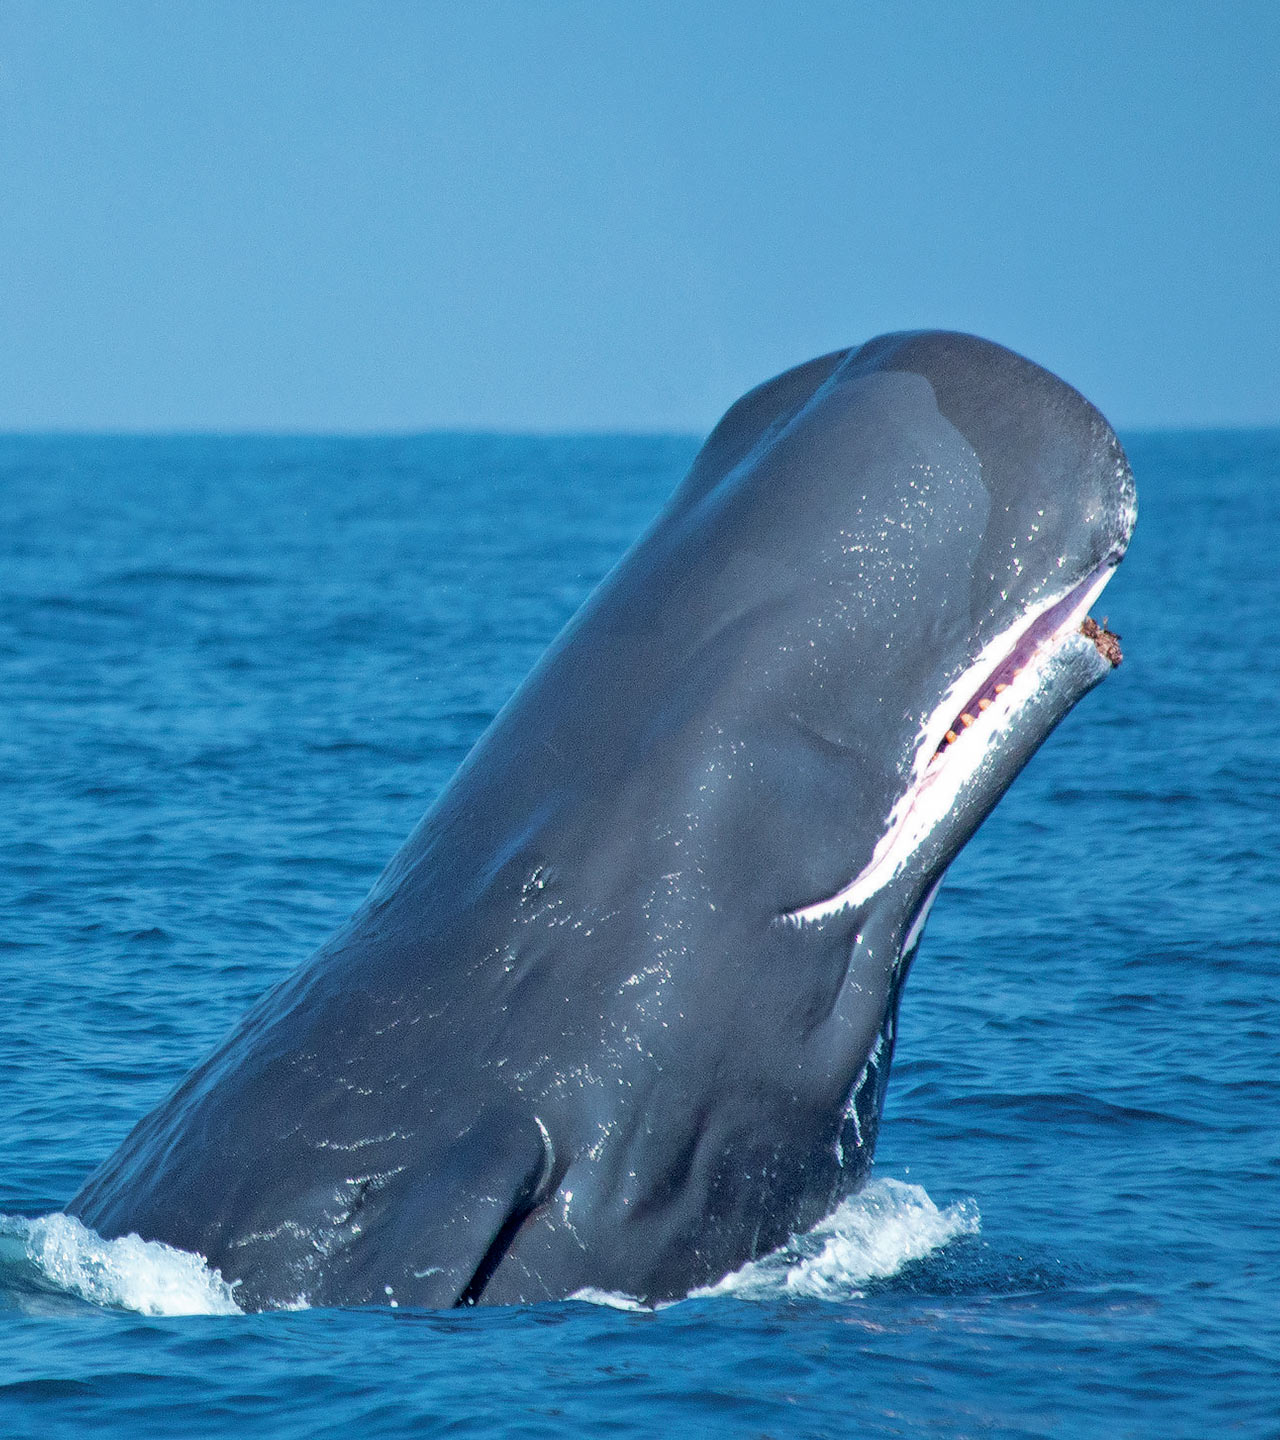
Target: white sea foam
(56,1254)
(607,1297)
(869,1237)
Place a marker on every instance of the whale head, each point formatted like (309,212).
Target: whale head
(859,616)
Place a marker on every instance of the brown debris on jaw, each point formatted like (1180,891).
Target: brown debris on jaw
(1107,641)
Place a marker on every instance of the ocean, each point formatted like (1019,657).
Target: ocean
(235,671)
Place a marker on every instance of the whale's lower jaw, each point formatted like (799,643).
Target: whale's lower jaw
(990,702)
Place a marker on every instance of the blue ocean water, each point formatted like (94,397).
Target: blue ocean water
(233,672)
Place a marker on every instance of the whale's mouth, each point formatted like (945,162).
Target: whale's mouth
(1042,632)
(977,709)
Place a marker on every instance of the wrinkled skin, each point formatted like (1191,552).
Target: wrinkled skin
(569,1040)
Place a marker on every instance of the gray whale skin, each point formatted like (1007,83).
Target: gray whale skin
(620,1012)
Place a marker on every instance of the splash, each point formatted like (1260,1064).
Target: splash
(609,1298)
(55,1255)
(868,1237)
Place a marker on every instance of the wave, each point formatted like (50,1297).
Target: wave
(56,1256)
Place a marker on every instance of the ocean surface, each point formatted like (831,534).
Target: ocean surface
(233,673)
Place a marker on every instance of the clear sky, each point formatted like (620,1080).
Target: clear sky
(554,214)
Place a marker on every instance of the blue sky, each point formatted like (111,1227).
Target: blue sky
(402,214)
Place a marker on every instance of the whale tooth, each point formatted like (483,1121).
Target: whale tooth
(966,719)
(1001,688)
(984,704)
(952,737)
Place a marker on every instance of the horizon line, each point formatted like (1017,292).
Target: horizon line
(585,432)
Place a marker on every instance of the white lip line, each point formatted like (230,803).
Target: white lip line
(901,838)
